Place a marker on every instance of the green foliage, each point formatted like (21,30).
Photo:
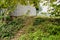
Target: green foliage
(8,6)
(56,9)
(8,30)
(52,1)
(46,30)
(37,21)
(41,29)
(39,35)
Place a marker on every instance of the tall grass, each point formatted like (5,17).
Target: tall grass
(7,30)
(42,29)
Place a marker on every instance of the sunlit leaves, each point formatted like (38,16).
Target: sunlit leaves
(53,1)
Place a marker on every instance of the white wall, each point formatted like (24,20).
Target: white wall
(22,10)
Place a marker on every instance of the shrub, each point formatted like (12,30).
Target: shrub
(8,30)
(38,21)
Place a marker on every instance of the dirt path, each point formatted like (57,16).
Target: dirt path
(23,30)
(19,33)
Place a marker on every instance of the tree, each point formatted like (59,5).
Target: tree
(56,7)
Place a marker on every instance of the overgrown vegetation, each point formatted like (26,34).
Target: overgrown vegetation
(7,30)
(38,28)
(42,29)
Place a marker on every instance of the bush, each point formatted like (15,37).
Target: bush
(39,35)
(8,30)
(42,29)
(38,21)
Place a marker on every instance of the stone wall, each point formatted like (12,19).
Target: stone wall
(24,10)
